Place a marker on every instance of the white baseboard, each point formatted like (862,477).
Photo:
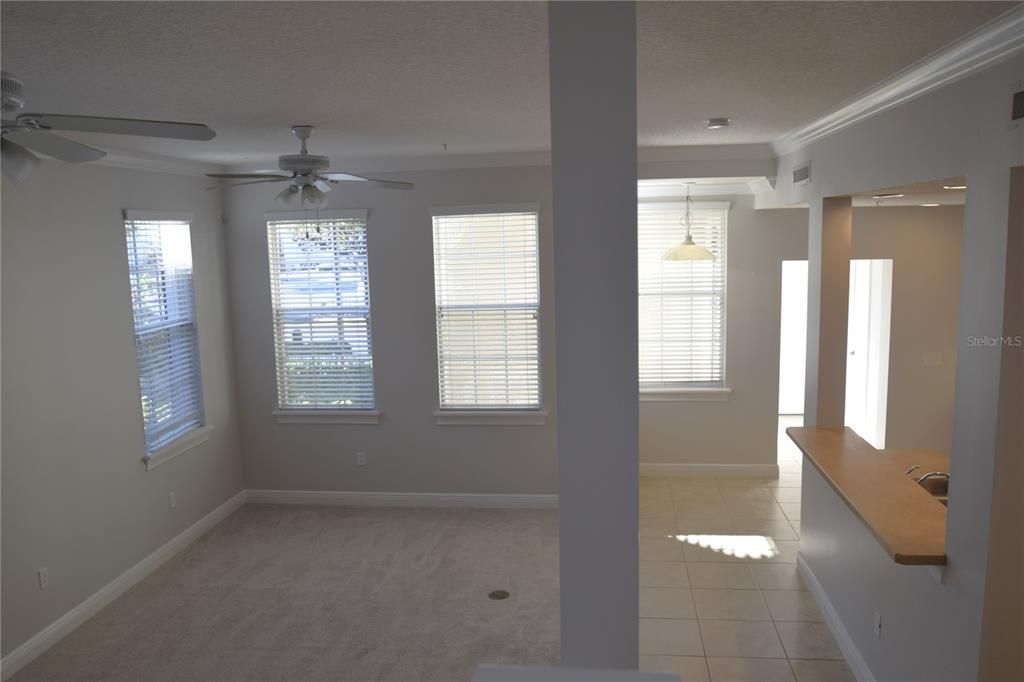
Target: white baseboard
(856,661)
(55,631)
(343,498)
(716,470)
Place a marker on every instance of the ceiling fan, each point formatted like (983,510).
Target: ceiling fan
(33,132)
(308,175)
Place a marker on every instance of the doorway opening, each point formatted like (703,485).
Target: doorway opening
(867,367)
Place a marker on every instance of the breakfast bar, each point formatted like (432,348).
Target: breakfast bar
(908,521)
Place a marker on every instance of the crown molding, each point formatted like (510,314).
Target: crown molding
(761,185)
(975,51)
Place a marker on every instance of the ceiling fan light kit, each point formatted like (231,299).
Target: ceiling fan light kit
(309,176)
(18,162)
(305,197)
(30,132)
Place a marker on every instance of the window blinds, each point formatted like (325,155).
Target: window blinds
(486,292)
(682,303)
(160,270)
(320,291)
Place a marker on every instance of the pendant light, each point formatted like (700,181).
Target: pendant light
(688,250)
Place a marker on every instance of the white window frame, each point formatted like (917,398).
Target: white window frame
(513,415)
(302,414)
(717,391)
(199,433)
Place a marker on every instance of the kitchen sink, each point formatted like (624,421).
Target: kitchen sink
(937,487)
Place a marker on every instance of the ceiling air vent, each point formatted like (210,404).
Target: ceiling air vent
(802,174)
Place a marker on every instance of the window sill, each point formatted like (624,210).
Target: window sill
(177,447)
(491,417)
(327,416)
(674,395)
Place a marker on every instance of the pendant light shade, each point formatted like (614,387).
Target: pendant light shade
(308,196)
(313,197)
(289,196)
(688,250)
(18,162)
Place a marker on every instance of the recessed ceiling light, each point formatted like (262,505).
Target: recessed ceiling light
(930,205)
(954,187)
(716,123)
(887,196)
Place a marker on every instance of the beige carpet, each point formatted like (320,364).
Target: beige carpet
(304,593)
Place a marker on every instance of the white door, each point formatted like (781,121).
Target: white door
(793,338)
(867,360)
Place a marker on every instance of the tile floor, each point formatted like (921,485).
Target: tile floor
(720,595)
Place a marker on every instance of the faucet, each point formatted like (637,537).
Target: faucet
(932,474)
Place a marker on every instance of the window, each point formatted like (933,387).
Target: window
(320,293)
(160,270)
(682,303)
(486,293)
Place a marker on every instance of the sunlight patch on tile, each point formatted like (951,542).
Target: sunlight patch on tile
(739,546)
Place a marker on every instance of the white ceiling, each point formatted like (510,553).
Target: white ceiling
(402,79)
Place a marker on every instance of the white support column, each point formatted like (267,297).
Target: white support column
(594,174)
(1002,625)
(829,235)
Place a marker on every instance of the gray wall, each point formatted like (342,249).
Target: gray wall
(407,451)
(77,498)
(917,611)
(962,129)
(924,245)
(1002,657)
(743,429)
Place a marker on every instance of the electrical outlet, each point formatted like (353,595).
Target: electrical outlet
(44,577)
(360,459)
(878,625)
(172,501)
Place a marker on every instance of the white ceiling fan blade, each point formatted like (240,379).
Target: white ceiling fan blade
(251,182)
(56,146)
(343,177)
(244,176)
(256,182)
(349,177)
(18,162)
(122,126)
(322,185)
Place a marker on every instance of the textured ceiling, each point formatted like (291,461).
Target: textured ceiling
(395,78)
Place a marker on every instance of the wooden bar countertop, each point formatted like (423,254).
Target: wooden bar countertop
(905,519)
